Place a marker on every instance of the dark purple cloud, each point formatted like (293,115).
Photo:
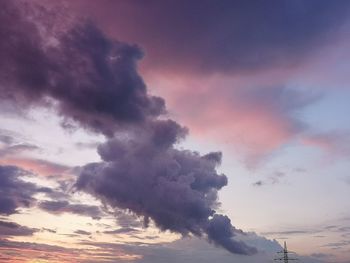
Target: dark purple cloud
(225,36)
(14,229)
(177,189)
(14,192)
(220,232)
(60,207)
(91,79)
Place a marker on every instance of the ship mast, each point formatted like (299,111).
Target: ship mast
(285,254)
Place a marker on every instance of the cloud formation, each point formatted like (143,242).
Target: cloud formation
(92,82)
(237,112)
(177,189)
(257,47)
(14,229)
(60,207)
(230,36)
(14,192)
(91,79)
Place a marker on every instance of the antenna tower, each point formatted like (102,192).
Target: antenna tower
(285,258)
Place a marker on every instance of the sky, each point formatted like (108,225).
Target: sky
(174,131)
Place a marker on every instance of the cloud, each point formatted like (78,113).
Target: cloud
(91,79)
(177,189)
(14,229)
(259,48)
(82,232)
(259,183)
(6,137)
(126,219)
(232,113)
(191,250)
(272,179)
(26,251)
(338,245)
(16,154)
(232,36)
(322,256)
(14,192)
(44,229)
(16,149)
(60,207)
(194,250)
(290,232)
(333,142)
(37,166)
(123,230)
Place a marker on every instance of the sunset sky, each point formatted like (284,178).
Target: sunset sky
(153,131)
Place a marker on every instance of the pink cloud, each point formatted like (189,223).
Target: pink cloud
(255,116)
(37,166)
(334,142)
(248,106)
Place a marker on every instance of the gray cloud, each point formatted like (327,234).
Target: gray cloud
(274,178)
(230,36)
(13,229)
(17,149)
(322,255)
(6,137)
(290,232)
(44,229)
(82,232)
(92,81)
(177,189)
(14,192)
(123,230)
(60,207)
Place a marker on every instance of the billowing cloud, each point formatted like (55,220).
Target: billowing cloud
(177,189)
(257,47)
(92,81)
